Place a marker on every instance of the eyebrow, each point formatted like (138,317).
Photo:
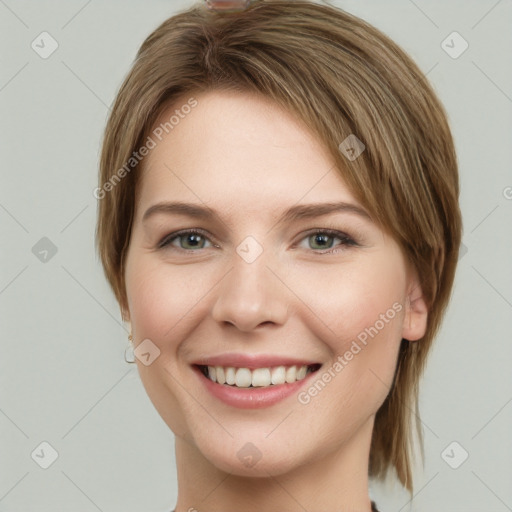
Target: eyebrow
(302,211)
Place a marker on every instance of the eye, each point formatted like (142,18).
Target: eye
(319,239)
(324,238)
(190,239)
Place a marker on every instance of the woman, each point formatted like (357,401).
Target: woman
(279,221)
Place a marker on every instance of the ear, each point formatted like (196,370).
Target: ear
(416,312)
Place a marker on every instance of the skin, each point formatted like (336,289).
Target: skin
(248,159)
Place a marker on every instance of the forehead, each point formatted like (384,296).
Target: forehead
(235,148)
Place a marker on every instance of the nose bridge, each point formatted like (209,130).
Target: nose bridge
(250,294)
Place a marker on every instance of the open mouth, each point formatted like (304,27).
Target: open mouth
(258,377)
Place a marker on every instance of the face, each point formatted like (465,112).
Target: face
(262,281)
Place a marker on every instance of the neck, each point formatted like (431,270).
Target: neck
(337,481)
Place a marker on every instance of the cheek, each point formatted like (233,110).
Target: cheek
(358,316)
(350,298)
(163,300)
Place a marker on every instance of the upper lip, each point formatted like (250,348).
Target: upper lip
(252,361)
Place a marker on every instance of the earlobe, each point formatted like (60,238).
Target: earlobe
(416,315)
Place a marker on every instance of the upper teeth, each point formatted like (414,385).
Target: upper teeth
(244,377)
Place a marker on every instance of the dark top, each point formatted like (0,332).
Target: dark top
(374,507)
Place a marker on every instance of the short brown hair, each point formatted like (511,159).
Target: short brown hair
(340,76)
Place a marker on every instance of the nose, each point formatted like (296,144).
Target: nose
(251,295)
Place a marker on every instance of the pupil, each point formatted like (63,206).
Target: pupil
(320,239)
(192,239)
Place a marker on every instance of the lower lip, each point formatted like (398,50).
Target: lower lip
(252,398)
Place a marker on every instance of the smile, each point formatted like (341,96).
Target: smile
(255,387)
(257,377)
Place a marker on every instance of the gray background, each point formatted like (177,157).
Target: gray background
(63,378)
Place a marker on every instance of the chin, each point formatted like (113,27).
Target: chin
(248,458)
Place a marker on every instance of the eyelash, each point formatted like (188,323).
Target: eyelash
(346,240)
